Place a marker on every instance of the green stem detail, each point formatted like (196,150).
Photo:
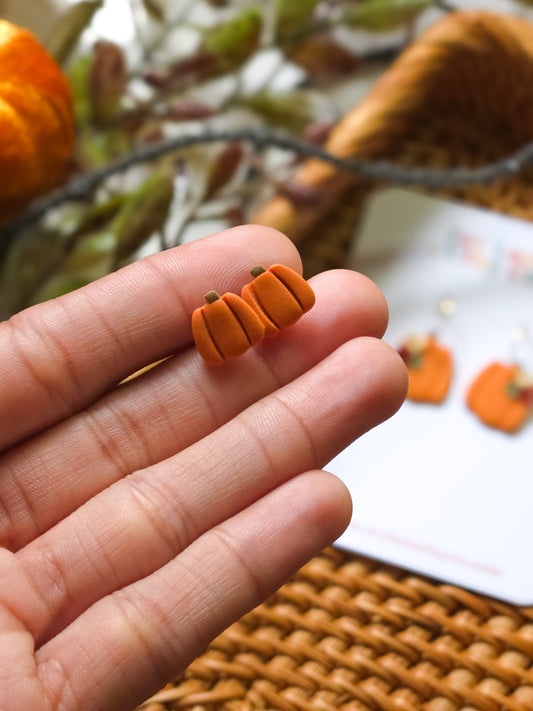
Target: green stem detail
(211,297)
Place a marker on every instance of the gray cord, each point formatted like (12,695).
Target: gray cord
(82,187)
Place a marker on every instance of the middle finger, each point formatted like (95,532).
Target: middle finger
(167,409)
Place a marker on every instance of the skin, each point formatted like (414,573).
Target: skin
(138,521)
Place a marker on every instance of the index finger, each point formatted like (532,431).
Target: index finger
(62,355)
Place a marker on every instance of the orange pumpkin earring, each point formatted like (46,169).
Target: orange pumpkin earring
(279,296)
(429,363)
(501,396)
(225,327)
(429,367)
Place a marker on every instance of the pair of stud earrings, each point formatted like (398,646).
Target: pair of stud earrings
(501,395)
(227,326)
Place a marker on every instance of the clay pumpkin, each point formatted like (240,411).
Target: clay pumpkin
(36,120)
(501,396)
(429,368)
(225,327)
(279,295)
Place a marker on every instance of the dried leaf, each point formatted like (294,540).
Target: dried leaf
(198,66)
(301,195)
(69,28)
(224,167)
(107,80)
(318,132)
(323,58)
(188,110)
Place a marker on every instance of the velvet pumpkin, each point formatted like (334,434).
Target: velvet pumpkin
(36,120)
(225,327)
(279,295)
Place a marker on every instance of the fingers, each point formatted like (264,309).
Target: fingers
(166,410)
(153,629)
(61,355)
(143,521)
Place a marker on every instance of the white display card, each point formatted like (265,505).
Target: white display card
(435,491)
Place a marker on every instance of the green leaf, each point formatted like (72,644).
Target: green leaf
(30,260)
(154,10)
(93,256)
(96,148)
(293,18)
(384,15)
(78,75)
(67,31)
(143,213)
(58,285)
(233,42)
(291,110)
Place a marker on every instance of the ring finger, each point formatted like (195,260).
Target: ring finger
(145,520)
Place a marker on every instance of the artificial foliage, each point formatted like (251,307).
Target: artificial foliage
(195,67)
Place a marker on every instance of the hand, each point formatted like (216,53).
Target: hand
(137,521)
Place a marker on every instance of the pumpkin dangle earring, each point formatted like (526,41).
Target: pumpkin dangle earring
(429,363)
(501,395)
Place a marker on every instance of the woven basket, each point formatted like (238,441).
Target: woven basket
(349,633)
(462,95)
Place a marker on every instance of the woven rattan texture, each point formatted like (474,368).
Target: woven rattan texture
(462,95)
(348,633)
(351,634)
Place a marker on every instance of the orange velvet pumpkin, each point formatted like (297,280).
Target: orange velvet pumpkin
(501,396)
(36,120)
(225,327)
(279,295)
(429,368)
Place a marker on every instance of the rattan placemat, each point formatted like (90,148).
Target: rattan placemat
(353,634)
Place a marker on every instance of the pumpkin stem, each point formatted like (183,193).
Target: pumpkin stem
(212,296)
(256,271)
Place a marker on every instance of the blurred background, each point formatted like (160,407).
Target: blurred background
(143,72)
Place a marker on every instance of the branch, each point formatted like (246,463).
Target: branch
(81,188)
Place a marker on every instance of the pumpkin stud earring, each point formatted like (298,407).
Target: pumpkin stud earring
(279,296)
(225,327)
(429,364)
(501,395)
